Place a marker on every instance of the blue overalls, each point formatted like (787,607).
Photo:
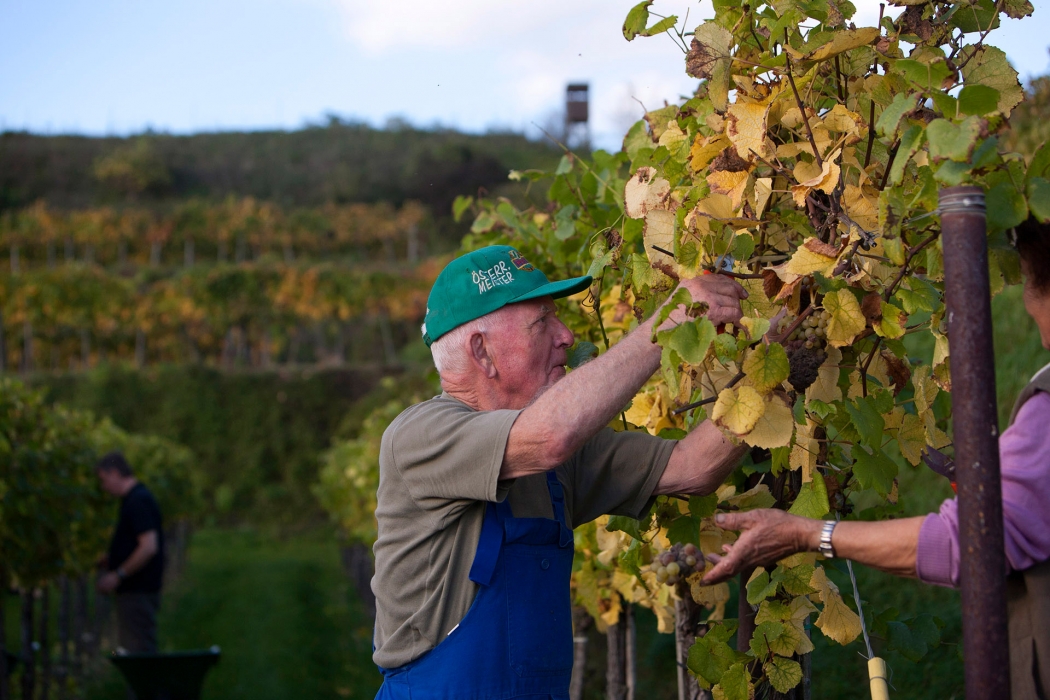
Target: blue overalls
(516,639)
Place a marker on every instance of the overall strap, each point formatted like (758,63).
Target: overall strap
(557,492)
(1040,382)
(489,543)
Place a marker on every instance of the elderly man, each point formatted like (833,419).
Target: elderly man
(481,486)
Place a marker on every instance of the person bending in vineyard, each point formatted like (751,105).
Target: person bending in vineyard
(135,561)
(480,487)
(927,547)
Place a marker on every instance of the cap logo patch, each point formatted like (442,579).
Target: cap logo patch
(519,261)
(497,275)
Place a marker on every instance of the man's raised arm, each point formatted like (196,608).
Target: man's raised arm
(569,413)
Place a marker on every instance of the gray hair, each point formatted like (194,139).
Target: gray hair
(450,351)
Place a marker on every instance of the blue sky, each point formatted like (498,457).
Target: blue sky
(119,66)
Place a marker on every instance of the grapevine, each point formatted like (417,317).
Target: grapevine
(806,166)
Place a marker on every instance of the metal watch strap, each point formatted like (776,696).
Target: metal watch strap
(825,547)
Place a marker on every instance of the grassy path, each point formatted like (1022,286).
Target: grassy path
(281,611)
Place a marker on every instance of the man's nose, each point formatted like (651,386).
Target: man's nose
(564,336)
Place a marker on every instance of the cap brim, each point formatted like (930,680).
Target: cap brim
(559,289)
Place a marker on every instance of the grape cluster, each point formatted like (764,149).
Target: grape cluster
(811,333)
(677,563)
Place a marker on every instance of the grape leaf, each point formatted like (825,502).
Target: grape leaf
(691,340)
(783,674)
(582,352)
(874,470)
(950,141)
(846,318)
(812,256)
(836,620)
(795,579)
(774,427)
(988,66)
(746,128)
(767,367)
(978,99)
(644,192)
(1039,198)
(812,499)
(738,409)
(735,684)
(759,586)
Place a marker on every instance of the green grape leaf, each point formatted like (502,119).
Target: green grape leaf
(950,141)
(1040,164)
(637,18)
(988,66)
(703,506)
(460,206)
(1039,198)
(622,523)
(928,76)
(978,99)
(867,419)
(736,683)
(795,580)
(765,636)
(783,674)
(1006,206)
(900,638)
(684,528)
(812,500)
(874,470)
(759,587)
(903,103)
(581,353)
(691,340)
(767,367)
(911,142)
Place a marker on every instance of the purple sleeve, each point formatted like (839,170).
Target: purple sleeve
(1024,456)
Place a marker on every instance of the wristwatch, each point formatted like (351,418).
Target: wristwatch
(825,547)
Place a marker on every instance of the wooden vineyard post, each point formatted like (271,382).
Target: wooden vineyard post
(580,622)
(616,659)
(986,648)
(686,630)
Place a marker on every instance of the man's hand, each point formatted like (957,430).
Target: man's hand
(722,295)
(107,582)
(766,535)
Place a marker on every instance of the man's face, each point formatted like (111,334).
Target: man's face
(529,349)
(111,481)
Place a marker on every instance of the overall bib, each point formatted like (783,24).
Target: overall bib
(516,639)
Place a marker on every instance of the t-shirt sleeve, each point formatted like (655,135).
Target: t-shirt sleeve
(448,451)
(142,515)
(616,473)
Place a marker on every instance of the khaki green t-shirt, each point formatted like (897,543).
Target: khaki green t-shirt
(439,465)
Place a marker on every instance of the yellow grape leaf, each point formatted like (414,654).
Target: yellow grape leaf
(645,192)
(792,149)
(746,128)
(738,409)
(812,256)
(891,325)
(705,149)
(659,231)
(843,121)
(756,327)
(846,318)
(805,450)
(826,387)
(672,135)
(757,497)
(925,389)
(732,184)
(842,41)
(766,367)
(716,206)
(774,427)
(861,208)
(763,191)
(757,303)
(612,615)
(911,436)
(801,608)
(608,542)
(836,620)
(826,180)
(638,413)
(707,596)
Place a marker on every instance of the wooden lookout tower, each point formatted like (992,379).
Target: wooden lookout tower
(577,114)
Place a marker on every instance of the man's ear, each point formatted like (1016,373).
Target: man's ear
(480,356)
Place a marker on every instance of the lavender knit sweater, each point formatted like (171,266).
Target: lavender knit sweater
(1024,455)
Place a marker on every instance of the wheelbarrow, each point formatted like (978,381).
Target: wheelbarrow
(176,675)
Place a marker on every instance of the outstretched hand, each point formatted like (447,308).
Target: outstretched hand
(766,535)
(722,295)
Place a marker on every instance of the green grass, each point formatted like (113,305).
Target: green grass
(282,612)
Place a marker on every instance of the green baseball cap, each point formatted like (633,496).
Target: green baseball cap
(483,281)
